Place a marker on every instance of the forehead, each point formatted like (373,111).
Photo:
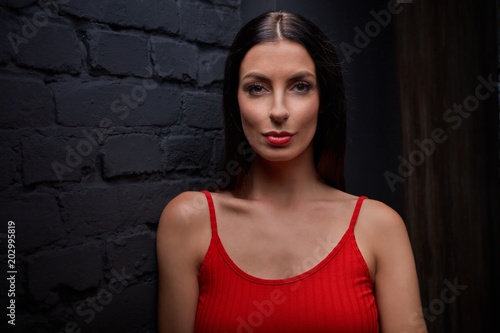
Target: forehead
(281,57)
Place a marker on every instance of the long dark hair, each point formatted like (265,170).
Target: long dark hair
(330,137)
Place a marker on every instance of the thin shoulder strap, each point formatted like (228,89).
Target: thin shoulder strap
(356,211)
(211,208)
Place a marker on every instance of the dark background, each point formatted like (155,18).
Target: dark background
(111,108)
(371,85)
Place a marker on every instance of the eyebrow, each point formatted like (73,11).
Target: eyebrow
(298,75)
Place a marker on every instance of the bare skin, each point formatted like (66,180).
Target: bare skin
(272,226)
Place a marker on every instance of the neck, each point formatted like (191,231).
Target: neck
(282,182)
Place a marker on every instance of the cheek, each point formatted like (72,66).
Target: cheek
(245,113)
(309,114)
(252,114)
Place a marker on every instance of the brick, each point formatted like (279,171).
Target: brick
(131,154)
(54,47)
(25,103)
(208,24)
(119,53)
(211,67)
(186,152)
(17,3)
(7,167)
(202,110)
(174,60)
(148,14)
(89,212)
(131,310)
(218,150)
(9,28)
(78,267)
(37,219)
(49,159)
(142,104)
(137,253)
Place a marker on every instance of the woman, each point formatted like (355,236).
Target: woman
(283,248)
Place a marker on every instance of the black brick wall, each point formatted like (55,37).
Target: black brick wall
(109,108)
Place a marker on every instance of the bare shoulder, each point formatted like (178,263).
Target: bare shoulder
(379,217)
(380,234)
(186,207)
(185,222)
(385,242)
(183,238)
(382,231)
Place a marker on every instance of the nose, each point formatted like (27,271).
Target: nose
(278,112)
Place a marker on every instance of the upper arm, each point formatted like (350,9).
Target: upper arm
(396,284)
(182,237)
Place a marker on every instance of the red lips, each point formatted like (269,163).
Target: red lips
(278,138)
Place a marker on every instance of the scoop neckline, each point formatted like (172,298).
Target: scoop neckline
(287,280)
(301,276)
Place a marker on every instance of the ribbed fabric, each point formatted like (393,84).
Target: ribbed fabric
(334,296)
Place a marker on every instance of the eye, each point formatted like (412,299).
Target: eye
(301,87)
(255,89)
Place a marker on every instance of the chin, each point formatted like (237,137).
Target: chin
(278,155)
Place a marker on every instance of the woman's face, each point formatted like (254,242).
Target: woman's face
(278,95)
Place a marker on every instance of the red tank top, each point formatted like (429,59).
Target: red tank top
(334,296)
